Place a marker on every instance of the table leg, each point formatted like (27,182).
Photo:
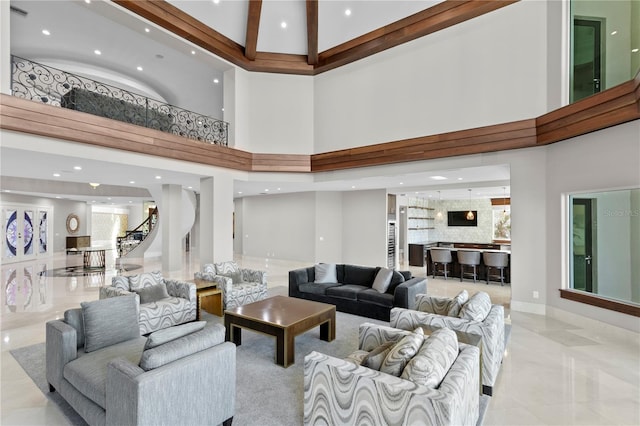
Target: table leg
(328,331)
(232,333)
(285,348)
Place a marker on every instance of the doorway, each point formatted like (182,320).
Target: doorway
(25,232)
(582,244)
(588,61)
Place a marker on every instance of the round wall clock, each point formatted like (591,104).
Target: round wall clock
(73,223)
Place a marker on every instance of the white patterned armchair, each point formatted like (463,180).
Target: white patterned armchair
(239,285)
(469,318)
(438,385)
(162,303)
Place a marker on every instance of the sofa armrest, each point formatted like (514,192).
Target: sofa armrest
(181,289)
(370,336)
(254,276)
(206,276)
(432,304)
(405,294)
(186,391)
(300,276)
(61,348)
(337,391)
(223,283)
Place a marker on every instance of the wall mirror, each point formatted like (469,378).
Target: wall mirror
(73,223)
(604,244)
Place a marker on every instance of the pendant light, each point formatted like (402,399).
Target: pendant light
(439,213)
(470,215)
(504,201)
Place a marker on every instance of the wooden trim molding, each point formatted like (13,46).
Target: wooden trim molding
(441,16)
(35,118)
(501,201)
(253,25)
(601,302)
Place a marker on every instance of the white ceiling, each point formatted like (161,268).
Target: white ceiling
(78,28)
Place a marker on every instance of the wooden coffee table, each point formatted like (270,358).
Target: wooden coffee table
(282,317)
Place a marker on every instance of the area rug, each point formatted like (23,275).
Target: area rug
(266,393)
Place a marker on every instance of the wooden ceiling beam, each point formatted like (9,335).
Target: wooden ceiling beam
(312,32)
(253,25)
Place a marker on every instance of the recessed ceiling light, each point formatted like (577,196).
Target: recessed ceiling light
(56,175)
(193,52)
(401,183)
(460,178)
(634,50)
(139,68)
(222,109)
(146,30)
(438,178)
(87,1)
(109,198)
(58,197)
(614,32)
(77,168)
(158,177)
(130,202)
(347,12)
(189,187)
(132,181)
(46,32)
(353,187)
(216,1)
(283,24)
(278,189)
(266,190)
(239,192)
(216,81)
(97,52)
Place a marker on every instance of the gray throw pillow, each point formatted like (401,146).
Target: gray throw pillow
(398,357)
(453,309)
(163,336)
(374,359)
(382,280)
(109,321)
(152,293)
(433,360)
(236,277)
(326,273)
(477,307)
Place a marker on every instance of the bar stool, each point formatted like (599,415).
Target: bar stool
(497,260)
(440,257)
(469,258)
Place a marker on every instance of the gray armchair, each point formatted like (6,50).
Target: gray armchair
(342,391)
(239,285)
(479,319)
(98,362)
(162,302)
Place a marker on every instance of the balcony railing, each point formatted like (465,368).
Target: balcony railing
(48,85)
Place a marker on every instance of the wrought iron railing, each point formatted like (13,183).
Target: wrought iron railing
(133,238)
(49,85)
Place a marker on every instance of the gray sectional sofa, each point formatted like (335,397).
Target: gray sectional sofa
(109,374)
(358,290)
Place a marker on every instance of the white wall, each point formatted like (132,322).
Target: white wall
(364,227)
(274,113)
(329,227)
(603,160)
(491,69)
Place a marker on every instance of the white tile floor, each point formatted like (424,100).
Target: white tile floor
(553,372)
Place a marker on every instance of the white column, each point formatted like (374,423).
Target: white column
(171,220)
(216,219)
(5,47)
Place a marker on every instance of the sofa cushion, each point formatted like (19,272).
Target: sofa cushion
(120,282)
(477,307)
(236,277)
(382,280)
(152,293)
(316,288)
(184,346)
(433,360)
(145,280)
(359,275)
(325,273)
(224,268)
(397,279)
(346,291)
(166,335)
(453,309)
(109,321)
(88,372)
(73,317)
(398,357)
(375,358)
(372,296)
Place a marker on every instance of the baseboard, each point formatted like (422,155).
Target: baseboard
(593,324)
(531,308)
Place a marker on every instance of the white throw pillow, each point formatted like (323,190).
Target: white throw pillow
(326,273)
(382,280)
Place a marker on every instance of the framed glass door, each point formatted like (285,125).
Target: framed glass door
(25,232)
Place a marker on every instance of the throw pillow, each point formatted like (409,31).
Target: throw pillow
(456,303)
(375,358)
(109,321)
(236,277)
(152,293)
(160,337)
(433,360)
(145,280)
(477,307)
(325,273)
(398,357)
(383,279)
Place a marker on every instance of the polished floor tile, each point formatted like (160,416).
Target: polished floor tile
(553,373)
